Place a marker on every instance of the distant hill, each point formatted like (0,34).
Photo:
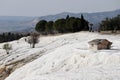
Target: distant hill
(16,23)
(92,17)
(26,24)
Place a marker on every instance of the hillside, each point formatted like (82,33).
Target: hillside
(94,18)
(26,24)
(65,57)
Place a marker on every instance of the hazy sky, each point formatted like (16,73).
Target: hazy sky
(48,7)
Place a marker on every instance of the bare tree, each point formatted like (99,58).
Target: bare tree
(90,27)
(7,47)
(33,39)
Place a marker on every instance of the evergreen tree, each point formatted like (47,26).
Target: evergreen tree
(60,25)
(49,27)
(112,24)
(40,26)
(84,23)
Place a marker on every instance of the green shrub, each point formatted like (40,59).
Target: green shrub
(7,47)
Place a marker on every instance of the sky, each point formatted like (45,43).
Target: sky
(50,7)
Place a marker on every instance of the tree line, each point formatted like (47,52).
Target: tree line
(110,24)
(69,24)
(8,36)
